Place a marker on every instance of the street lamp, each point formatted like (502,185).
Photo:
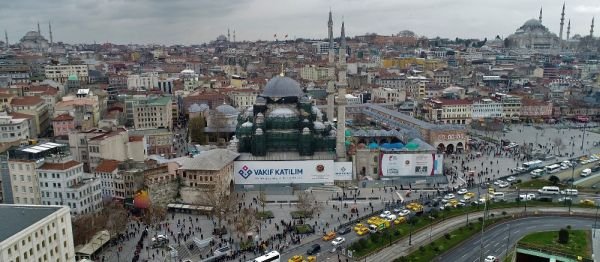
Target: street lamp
(430,227)
(482,227)
(410,233)
(572,182)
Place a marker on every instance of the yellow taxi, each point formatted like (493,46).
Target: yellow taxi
(453,202)
(588,202)
(296,258)
(400,220)
(329,236)
(469,195)
(491,190)
(311,259)
(357,227)
(373,220)
(362,231)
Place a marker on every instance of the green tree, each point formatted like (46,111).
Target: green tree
(554,180)
(563,236)
(196,126)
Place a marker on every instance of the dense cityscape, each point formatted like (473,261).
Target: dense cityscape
(364,147)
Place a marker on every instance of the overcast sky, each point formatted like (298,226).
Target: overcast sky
(198,21)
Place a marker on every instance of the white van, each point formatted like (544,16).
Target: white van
(586,172)
(497,196)
(570,192)
(549,190)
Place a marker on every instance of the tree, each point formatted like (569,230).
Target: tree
(558,144)
(307,204)
(554,180)
(262,200)
(84,229)
(223,205)
(116,218)
(196,127)
(563,236)
(154,215)
(246,222)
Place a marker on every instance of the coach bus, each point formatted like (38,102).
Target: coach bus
(532,164)
(582,119)
(272,256)
(552,168)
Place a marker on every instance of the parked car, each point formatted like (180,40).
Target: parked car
(314,249)
(344,230)
(338,241)
(511,179)
(462,191)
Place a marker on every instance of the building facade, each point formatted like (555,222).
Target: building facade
(61,73)
(153,113)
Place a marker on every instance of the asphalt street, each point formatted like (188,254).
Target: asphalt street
(502,237)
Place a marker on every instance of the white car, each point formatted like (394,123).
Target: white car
(511,179)
(519,169)
(391,217)
(462,191)
(563,167)
(491,259)
(449,196)
(385,214)
(338,241)
(504,184)
(404,213)
(497,182)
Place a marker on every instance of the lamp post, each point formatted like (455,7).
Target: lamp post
(430,228)
(596,220)
(410,233)
(482,227)
(572,182)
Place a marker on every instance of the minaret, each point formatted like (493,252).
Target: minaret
(6,38)
(540,15)
(331,73)
(39,31)
(228,35)
(234,35)
(592,29)
(562,22)
(340,147)
(568,29)
(331,50)
(50,32)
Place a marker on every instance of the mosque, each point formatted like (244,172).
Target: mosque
(534,35)
(33,40)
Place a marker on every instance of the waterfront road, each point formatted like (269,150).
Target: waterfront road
(502,237)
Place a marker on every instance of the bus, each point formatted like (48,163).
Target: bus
(552,168)
(532,164)
(582,119)
(549,190)
(272,256)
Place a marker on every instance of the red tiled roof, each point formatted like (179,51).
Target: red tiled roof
(63,117)
(20,115)
(26,101)
(59,166)
(107,166)
(136,138)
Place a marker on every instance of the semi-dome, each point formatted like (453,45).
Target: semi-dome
(281,86)
(197,108)
(227,109)
(532,23)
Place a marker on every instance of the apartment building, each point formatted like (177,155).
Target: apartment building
(13,129)
(487,108)
(62,182)
(449,111)
(145,80)
(61,73)
(153,113)
(36,233)
(36,107)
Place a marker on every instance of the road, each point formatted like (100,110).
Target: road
(499,238)
(401,247)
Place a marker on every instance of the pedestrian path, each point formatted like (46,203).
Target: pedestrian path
(595,244)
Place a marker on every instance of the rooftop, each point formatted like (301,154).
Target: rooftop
(214,159)
(17,218)
(26,101)
(59,166)
(107,166)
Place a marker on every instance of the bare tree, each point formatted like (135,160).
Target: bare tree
(307,204)
(246,222)
(116,218)
(223,205)
(558,144)
(262,200)
(154,214)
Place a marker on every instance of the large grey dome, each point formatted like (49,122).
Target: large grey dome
(227,109)
(281,86)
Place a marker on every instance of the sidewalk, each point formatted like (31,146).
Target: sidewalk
(401,248)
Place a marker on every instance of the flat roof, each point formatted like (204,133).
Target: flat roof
(16,218)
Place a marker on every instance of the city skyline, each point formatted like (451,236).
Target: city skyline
(195,22)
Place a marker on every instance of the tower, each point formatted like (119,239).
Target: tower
(330,28)
(330,72)
(340,146)
(592,29)
(39,31)
(50,32)
(6,38)
(568,29)
(234,35)
(562,22)
(540,15)
(228,35)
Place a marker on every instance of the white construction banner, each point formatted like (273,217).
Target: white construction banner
(283,172)
(411,165)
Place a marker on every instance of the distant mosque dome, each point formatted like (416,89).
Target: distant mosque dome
(227,109)
(197,108)
(407,33)
(221,38)
(533,35)
(281,86)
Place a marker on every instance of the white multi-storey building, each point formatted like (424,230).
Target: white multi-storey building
(36,233)
(13,129)
(62,182)
(60,73)
(145,80)
(486,108)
